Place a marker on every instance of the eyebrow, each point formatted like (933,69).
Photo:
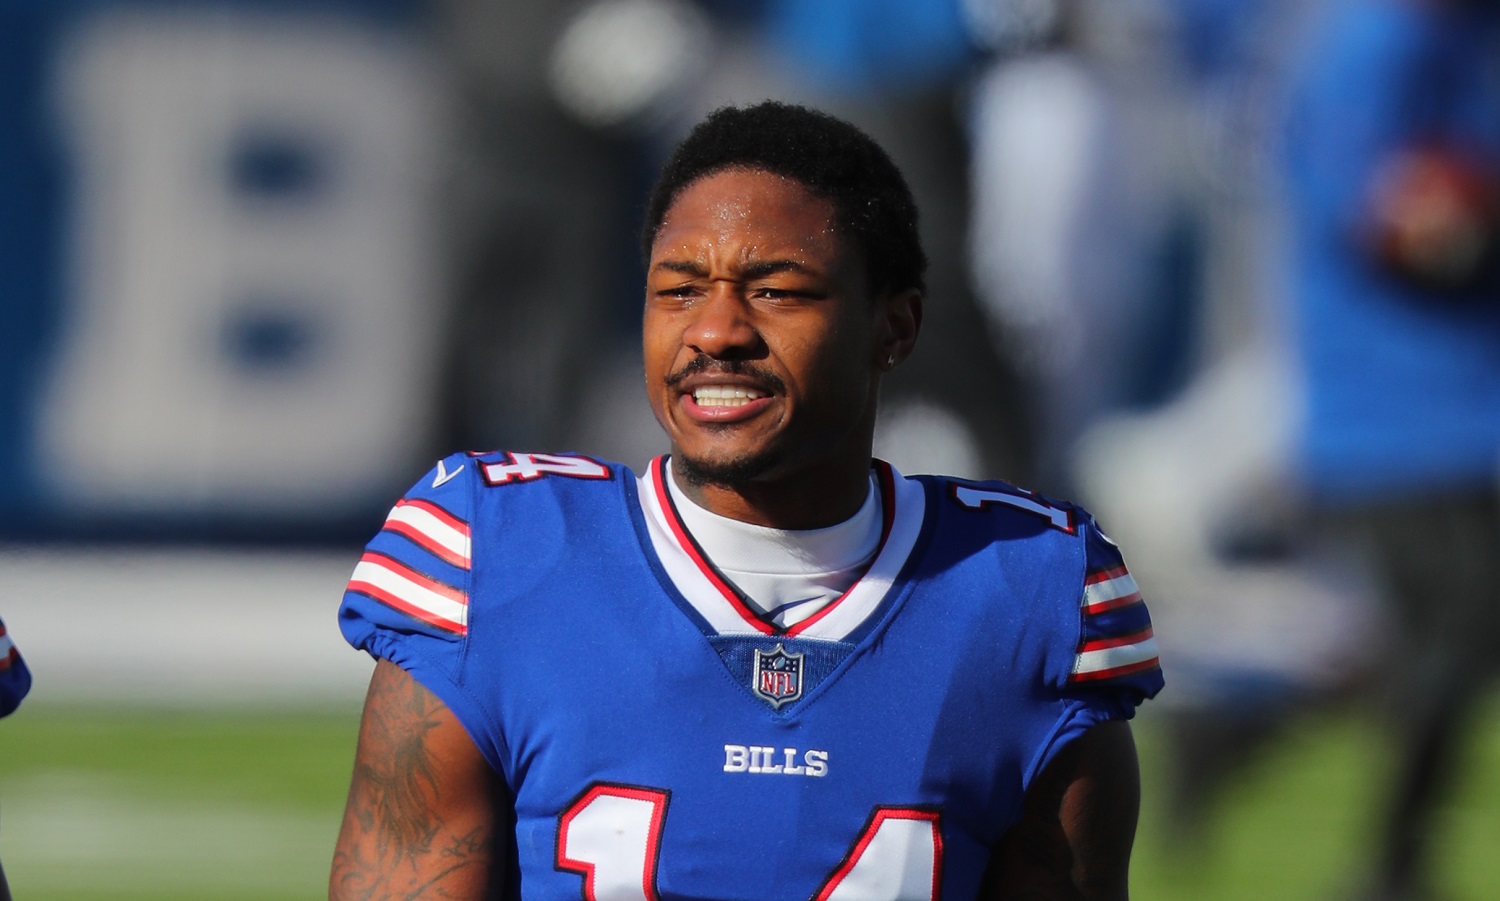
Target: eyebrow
(763,268)
(759,269)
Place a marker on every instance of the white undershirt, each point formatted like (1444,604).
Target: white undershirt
(788,575)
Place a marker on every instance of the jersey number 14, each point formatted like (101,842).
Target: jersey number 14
(611,835)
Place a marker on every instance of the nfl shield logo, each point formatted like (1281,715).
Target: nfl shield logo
(778,676)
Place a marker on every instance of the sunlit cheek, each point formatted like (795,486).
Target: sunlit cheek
(661,342)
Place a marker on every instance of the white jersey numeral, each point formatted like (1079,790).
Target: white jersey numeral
(979,498)
(525,467)
(611,836)
(898,856)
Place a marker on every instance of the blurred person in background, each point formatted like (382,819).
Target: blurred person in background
(1392,171)
(1121,223)
(15,682)
(529,190)
(1079,227)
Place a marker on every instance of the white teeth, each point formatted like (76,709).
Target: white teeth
(724,396)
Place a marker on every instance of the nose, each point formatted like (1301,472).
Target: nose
(723,326)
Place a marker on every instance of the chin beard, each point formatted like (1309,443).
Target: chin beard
(732,473)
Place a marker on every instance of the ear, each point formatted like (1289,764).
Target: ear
(900,319)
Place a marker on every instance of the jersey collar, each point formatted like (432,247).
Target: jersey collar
(726,613)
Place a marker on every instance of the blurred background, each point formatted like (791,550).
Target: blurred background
(1224,271)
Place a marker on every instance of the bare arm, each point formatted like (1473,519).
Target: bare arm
(1077,826)
(421,817)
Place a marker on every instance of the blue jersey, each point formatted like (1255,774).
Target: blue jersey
(15,678)
(660,741)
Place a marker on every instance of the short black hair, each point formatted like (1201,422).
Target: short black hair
(833,159)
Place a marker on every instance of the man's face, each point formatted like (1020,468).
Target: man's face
(761,340)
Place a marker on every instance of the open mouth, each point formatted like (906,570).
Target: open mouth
(725,395)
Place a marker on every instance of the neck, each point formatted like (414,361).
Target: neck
(808,499)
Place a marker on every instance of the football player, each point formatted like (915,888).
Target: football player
(15,682)
(1391,176)
(769,666)
(15,678)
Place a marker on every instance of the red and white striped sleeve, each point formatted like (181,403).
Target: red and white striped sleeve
(409,592)
(1116,646)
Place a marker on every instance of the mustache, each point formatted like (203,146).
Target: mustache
(706,365)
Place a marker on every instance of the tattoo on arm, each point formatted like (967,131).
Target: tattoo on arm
(420,815)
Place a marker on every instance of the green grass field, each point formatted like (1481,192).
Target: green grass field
(187,806)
